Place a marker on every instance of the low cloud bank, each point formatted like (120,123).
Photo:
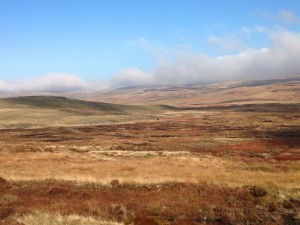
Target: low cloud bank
(280,59)
(52,82)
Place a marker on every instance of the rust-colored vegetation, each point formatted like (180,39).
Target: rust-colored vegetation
(231,165)
(167,203)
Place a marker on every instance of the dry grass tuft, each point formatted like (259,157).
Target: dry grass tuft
(39,218)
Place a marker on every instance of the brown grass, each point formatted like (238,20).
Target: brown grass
(196,167)
(172,203)
(85,167)
(203,95)
(38,218)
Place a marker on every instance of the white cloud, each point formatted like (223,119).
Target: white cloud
(283,16)
(288,17)
(226,43)
(131,77)
(236,40)
(146,45)
(250,30)
(51,82)
(280,59)
(59,82)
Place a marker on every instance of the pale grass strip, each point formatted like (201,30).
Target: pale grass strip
(106,181)
(42,218)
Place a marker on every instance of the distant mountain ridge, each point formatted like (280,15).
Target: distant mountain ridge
(226,93)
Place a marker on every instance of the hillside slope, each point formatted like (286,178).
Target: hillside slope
(228,93)
(79,106)
(38,111)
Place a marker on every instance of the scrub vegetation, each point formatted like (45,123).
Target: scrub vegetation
(65,161)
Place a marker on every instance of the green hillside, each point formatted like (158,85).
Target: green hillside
(80,106)
(41,111)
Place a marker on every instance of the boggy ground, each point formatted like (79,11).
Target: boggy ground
(213,166)
(168,203)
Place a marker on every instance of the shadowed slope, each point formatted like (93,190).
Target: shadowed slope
(79,106)
(58,111)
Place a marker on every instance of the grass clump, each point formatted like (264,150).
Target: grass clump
(39,218)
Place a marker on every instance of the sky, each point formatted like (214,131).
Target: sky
(69,45)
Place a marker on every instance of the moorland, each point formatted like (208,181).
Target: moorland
(226,153)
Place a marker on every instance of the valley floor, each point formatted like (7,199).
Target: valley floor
(204,166)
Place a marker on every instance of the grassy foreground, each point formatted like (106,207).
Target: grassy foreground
(217,165)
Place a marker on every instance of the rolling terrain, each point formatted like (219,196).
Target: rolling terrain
(219,154)
(228,93)
(215,94)
(30,111)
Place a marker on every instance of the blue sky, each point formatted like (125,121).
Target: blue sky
(136,41)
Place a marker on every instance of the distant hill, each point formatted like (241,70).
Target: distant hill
(283,91)
(40,111)
(80,106)
(217,94)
